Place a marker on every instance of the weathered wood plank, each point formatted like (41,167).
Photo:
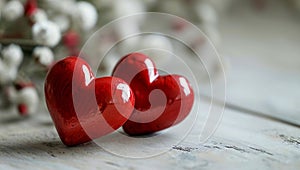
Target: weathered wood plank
(242,141)
(263,63)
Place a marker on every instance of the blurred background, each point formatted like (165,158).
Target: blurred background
(257,41)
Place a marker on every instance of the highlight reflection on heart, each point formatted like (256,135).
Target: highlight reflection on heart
(161,101)
(84,107)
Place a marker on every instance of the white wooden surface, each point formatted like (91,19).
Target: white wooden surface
(263,76)
(241,142)
(263,59)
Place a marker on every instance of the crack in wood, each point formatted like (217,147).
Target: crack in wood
(236,148)
(51,153)
(212,147)
(290,139)
(261,150)
(249,111)
(51,144)
(112,164)
(185,149)
(221,146)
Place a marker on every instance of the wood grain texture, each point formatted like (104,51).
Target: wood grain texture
(262,53)
(241,142)
(263,76)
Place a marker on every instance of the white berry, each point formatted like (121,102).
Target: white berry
(44,55)
(28,97)
(67,7)
(87,15)
(7,74)
(62,21)
(46,33)
(12,10)
(12,55)
(39,16)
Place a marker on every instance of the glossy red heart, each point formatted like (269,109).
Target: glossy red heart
(83,107)
(161,101)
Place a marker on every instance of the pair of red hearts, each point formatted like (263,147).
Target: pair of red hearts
(136,97)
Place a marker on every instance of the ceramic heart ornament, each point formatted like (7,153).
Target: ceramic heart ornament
(83,107)
(161,101)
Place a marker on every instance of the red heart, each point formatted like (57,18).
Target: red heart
(161,101)
(82,107)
